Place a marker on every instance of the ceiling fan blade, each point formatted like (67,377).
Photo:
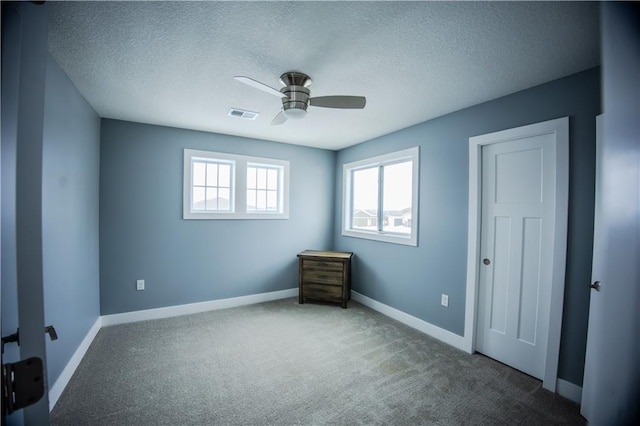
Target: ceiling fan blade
(279,119)
(256,84)
(347,102)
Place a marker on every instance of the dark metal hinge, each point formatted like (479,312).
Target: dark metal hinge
(22,384)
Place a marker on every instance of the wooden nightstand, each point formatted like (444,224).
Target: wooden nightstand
(324,275)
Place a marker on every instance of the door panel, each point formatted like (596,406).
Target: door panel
(530,282)
(518,194)
(499,289)
(518,177)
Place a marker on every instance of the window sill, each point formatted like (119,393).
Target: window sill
(231,216)
(382,236)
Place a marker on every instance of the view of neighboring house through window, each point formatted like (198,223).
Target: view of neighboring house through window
(381,197)
(228,186)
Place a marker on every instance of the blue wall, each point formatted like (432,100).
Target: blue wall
(411,279)
(70,170)
(143,235)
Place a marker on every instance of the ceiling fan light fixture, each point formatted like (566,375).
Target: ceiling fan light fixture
(295,113)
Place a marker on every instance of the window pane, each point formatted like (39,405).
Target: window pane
(198,198)
(212,199)
(272,201)
(212,174)
(224,175)
(272,179)
(396,199)
(251,200)
(224,199)
(364,213)
(262,179)
(198,173)
(251,178)
(261,204)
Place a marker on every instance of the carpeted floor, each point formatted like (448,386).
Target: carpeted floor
(281,363)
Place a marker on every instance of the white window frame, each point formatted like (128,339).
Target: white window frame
(238,186)
(411,154)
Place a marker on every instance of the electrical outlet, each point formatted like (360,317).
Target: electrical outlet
(140,285)
(444,301)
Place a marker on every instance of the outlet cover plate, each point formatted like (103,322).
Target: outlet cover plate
(139,284)
(444,301)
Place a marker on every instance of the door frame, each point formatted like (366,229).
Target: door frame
(559,127)
(29,39)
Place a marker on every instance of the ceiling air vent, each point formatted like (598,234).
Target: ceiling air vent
(235,112)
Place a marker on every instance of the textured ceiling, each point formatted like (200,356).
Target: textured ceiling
(172,63)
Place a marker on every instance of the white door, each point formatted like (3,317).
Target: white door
(518,215)
(611,387)
(611,373)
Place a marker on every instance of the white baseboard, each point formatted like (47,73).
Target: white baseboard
(195,308)
(420,325)
(569,390)
(63,379)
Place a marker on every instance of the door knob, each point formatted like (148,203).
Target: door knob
(486,261)
(596,286)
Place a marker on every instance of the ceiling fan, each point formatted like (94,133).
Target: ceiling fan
(296,98)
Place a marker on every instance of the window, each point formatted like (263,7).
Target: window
(381,198)
(263,183)
(228,186)
(211,185)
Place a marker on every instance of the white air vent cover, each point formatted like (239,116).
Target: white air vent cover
(235,112)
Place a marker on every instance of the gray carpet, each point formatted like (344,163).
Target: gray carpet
(281,363)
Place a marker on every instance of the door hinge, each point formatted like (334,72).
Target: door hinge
(22,384)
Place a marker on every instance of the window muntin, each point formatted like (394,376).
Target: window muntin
(229,186)
(387,184)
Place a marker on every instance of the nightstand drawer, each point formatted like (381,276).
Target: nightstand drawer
(316,291)
(325,265)
(322,277)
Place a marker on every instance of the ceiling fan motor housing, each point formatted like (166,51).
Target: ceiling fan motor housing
(295,88)
(297,99)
